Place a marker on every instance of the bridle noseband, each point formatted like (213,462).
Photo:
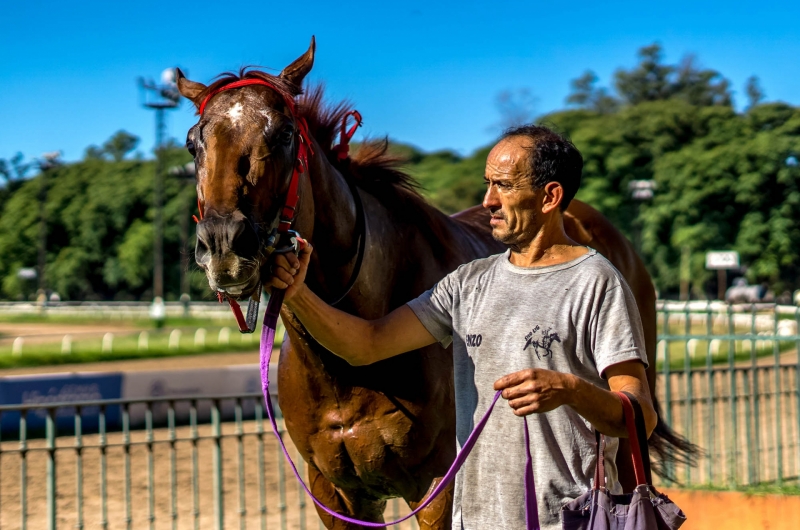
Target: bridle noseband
(284,235)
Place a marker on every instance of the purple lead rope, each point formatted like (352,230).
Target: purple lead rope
(267,341)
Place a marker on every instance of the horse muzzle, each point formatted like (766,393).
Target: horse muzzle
(228,251)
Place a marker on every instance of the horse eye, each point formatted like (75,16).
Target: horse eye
(190,147)
(285,138)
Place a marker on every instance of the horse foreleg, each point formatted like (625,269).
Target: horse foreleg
(351,504)
(439,513)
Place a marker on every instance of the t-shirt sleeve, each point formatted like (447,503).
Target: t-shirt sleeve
(617,329)
(434,308)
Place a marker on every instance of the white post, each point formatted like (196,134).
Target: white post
(200,338)
(661,351)
(175,339)
(691,346)
(713,347)
(66,344)
(108,342)
(224,335)
(144,341)
(16,348)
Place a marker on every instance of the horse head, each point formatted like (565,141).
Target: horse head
(246,146)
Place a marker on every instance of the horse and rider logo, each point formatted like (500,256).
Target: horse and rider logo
(545,342)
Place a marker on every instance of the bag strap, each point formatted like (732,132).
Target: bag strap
(600,467)
(641,434)
(639,454)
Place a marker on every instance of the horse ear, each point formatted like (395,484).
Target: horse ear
(189,89)
(296,72)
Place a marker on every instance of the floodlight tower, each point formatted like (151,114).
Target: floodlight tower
(161,98)
(47,162)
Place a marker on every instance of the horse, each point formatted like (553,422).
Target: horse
(374,432)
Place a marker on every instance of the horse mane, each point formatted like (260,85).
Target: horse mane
(371,167)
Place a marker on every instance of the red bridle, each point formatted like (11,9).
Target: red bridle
(292,195)
(303,148)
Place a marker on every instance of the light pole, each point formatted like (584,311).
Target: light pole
(46,163)
(641,191)
(159,97)
(187,174)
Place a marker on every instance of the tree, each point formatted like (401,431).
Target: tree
(14,169)
(588,96)
(651,80)
(120,144)
(515,107)
(754,92)
(115,148)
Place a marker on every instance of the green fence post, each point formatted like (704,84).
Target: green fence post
(756,391)
(50,435)
(1,463)
(262,489)
(23,469)
(734,425)
(778,423)
(173,465)
(151,500)
(240,455)
(301,494)
(751,471)
(281,482)
(667,383)
(687,368)
(126,446)
(219,499)
(797,385)
(102,442)
(710,426)
(78,468)
(195,466)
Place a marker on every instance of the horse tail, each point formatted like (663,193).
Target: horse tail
(670,448)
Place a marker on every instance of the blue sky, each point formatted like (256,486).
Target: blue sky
(425,73)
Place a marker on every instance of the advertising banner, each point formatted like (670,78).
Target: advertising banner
(60,388)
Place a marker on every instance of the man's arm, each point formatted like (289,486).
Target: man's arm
(356,340)
(537,390)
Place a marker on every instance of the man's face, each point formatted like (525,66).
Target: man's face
(514,204)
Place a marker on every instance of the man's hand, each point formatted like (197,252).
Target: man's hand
(354,339)
(535,390)
(289,271)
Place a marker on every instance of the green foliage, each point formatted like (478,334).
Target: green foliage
(725,180)
(99,220)
(115,148)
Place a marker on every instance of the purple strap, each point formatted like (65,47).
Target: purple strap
(267,341)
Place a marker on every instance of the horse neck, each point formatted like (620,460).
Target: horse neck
(327,214)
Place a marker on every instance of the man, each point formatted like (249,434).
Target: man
(550,323)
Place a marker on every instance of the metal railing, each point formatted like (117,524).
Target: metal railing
(729,380)
(154,463)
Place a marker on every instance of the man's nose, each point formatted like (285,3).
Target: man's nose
(490,198)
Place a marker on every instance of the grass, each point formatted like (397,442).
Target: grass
(158,343)
(757,489)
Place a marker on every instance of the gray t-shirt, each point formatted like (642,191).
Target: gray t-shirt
(578,317)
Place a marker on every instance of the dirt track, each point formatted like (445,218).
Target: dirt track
(66,470)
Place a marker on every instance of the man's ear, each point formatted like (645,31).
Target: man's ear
(191,90)
(552,197)
(298,70)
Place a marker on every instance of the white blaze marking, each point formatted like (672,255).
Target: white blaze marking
(235,113)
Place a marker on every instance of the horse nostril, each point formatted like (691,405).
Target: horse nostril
(243,168)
